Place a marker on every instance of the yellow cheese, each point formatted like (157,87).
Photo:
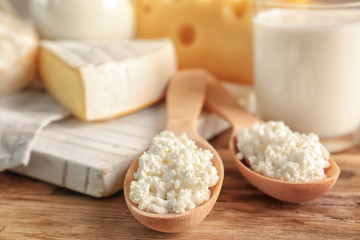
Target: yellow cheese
(18,48)
(98,81)
(211,34)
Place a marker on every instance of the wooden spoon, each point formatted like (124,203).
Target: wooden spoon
(220,101)
(185,98)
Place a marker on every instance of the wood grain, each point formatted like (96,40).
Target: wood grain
(31,209)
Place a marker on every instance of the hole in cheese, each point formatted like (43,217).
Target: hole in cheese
(238,7)
(147,9)
(187,34)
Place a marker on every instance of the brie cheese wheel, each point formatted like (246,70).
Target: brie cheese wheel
(18,48)
(98,81)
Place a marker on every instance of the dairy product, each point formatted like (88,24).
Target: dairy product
(307,69)
(18,48)
(213,34)
(84,19)
(174,175)
(273,150)
(97,81)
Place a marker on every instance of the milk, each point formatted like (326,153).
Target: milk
(84,19)
(307,69)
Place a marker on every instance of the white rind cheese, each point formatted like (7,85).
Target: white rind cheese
(174,175)
(98,81)
(18,48)
(273,150)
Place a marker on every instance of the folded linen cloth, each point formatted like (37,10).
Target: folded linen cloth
(22,116)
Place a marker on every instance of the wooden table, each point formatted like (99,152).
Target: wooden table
(30,209)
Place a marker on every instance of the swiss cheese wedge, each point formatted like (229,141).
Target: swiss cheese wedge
(211,34)
(98,81)
(18,48)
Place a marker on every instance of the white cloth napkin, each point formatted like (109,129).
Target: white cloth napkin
(22,116)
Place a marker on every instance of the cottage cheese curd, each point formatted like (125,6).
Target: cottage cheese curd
(273,150)
(174,175)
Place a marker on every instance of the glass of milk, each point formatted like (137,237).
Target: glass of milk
(307,67)
(83,19)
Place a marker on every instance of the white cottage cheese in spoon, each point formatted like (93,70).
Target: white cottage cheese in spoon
(273,150)
(174,175)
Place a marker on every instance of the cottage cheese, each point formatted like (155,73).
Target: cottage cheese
(273,150)
(174,175)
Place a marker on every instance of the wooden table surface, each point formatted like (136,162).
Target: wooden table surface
(30,209)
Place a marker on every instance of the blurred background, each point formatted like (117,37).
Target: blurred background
(22,7)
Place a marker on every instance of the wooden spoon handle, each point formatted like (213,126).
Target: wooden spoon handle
(223,103)
(185,99)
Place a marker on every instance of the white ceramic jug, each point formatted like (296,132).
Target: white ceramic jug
(83,19)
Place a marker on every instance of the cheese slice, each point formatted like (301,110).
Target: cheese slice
(211,34)
(98,81)
(18,48)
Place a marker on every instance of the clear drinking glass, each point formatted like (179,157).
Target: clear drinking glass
(307,67)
